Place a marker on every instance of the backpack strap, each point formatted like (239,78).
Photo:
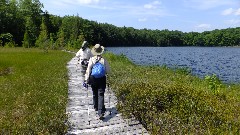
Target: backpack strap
(98,59)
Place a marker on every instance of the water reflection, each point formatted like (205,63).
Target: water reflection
(224,62)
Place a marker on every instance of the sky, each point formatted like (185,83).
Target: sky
(181,15)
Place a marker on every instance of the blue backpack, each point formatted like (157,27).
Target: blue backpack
(98,70)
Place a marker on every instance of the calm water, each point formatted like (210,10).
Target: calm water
(224,62)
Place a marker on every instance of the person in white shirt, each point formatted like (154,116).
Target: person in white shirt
(84,54)
(98,84)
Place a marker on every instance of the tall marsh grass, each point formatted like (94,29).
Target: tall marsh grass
(172,101)
(33,91)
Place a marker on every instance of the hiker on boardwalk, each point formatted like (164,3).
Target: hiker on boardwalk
(84,54)
(95,75)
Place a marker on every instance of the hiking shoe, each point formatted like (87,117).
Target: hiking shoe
(101,117)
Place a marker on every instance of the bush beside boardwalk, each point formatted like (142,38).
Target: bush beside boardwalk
(33,91)
(174,102)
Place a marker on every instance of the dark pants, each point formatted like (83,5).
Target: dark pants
(98,87)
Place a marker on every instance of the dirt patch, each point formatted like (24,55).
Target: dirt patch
(6,71)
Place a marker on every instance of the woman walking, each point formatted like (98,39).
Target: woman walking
(96,72)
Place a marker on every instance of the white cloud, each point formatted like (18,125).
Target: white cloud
(87,2)
(69,3)
(153,9)
(150,10)
(152,5)
(228,11)
(148,6)
(142,19)
(59,4)
(204,26)
(233,21)
(237,12)
(231,11)
(207,4)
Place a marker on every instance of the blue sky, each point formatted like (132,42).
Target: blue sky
(182,15)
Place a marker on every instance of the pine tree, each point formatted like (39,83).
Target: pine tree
(30,33)
(42,40)
(26,40)
(61,40)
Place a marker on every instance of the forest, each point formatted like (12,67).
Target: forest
(23,23)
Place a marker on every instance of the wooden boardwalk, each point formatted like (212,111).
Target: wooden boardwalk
(84,119)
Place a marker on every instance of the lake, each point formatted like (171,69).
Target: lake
(202,61)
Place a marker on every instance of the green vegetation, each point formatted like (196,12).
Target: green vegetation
(174,102)
(29,26)
(214,83)
(33,91)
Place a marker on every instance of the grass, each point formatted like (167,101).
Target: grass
(33,91)
(173,101)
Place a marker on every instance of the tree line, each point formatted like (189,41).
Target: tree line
(24,24)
